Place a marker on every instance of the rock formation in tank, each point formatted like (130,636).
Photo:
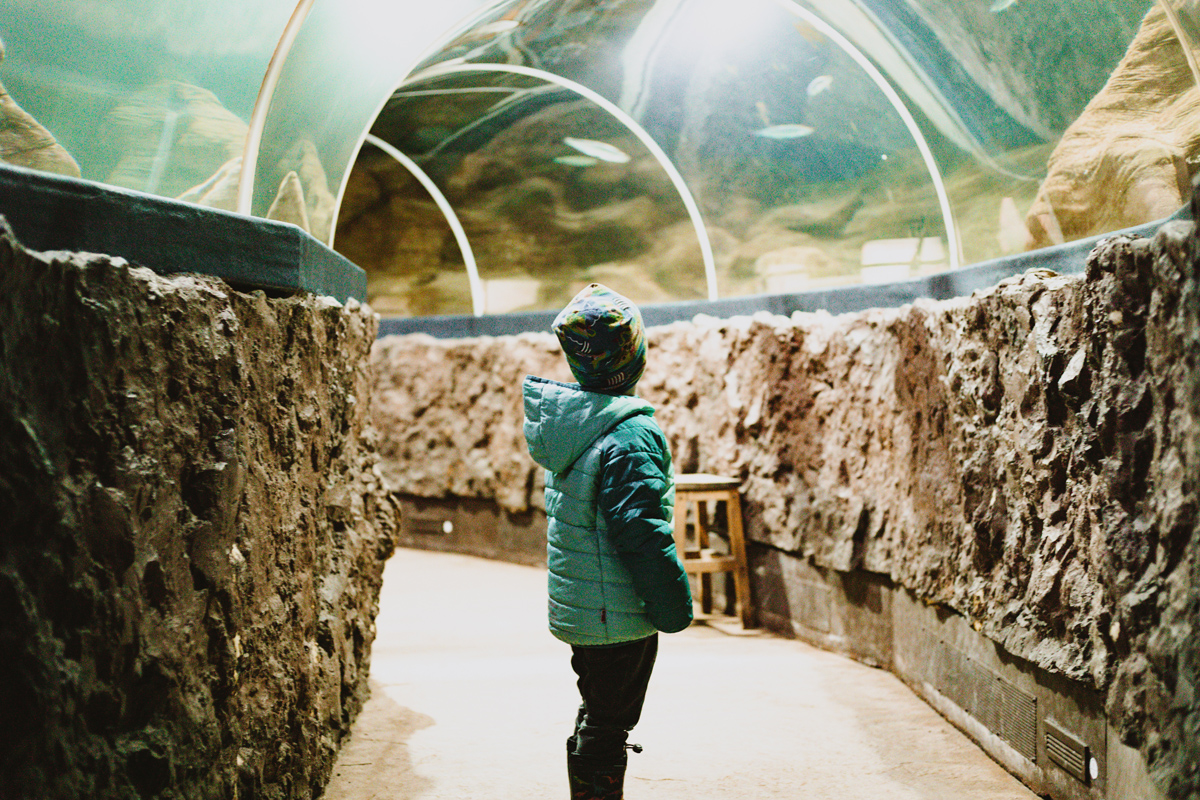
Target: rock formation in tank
(1129,157)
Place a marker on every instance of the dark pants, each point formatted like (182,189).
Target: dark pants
(612,683)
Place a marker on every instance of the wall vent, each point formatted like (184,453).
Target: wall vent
(425,526)
(1018,719)
(1068,752)
(999,706)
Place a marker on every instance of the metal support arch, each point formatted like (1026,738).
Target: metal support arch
(460,235)
(689,202)
(939,186)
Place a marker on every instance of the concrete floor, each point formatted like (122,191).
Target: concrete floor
(472,699)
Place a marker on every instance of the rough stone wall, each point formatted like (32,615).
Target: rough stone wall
(192,532)
(1026,456)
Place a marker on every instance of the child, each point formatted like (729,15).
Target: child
(615,579)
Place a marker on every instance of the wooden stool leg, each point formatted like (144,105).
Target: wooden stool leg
(706,595)
(741,575)
(682,501)
(681,505)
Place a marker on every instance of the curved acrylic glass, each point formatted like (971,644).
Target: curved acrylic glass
(1184,16)
(998,86)
(805,171)
(153,95)
(344,63)
(460,235)
(992,87)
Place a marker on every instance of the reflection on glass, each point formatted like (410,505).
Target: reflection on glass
(1184,16)
(553,191)
(806,167)
(811,173)
(392,227)
(152,96)
(1129,155)
(805,173)
(1003,86)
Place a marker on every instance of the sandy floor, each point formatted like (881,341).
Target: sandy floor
(473,699)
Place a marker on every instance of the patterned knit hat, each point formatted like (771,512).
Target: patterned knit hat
(602,336)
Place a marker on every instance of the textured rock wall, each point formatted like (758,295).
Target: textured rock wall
(1026,456)
(192,532)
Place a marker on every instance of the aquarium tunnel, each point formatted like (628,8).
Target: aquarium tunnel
(490,158)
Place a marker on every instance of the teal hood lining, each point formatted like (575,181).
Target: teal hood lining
(563,419)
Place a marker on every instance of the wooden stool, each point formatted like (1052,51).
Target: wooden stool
(696,490)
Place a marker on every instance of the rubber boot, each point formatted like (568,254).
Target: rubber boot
(595,778)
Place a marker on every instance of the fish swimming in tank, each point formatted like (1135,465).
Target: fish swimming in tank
(819,84)
(577,161)
(602,151)
(789,130)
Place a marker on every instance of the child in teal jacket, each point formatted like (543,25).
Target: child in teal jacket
(614,577)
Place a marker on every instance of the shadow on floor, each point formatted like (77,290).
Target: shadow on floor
(377,753)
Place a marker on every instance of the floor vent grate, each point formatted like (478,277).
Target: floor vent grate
(1000,706)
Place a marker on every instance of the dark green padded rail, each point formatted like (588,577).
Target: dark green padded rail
(1066,259)
(52,212)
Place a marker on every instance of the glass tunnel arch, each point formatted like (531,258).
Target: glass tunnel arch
(262,105)
(460,235)
(897,103)
(456,66)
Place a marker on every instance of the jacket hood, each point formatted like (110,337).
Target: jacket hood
(563,419)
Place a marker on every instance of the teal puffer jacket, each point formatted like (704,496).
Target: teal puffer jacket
(610,495)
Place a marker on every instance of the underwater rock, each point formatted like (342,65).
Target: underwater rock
(827,219)
(319,202)
(219,191)
(25,143)
(1128,158)
(171,136)
(389,225)
(288,205)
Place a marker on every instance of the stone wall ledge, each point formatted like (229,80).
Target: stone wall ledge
(56,212)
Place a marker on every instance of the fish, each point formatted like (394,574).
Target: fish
(790,130)
(819,84)
(809,32)
(599,150)
(577,161)
(498,26)
(1000,5)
